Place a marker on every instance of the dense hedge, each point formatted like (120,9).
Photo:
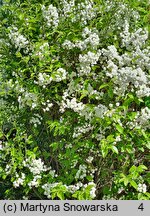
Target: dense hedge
(74,99)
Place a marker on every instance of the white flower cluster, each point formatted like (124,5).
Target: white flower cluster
(86,61)
(118,138)
(73,188)
(35,182)
(67,146)
(127,68)
(135,39)
(36,166)
(100,110)
(93,189)
(121,13)
(18,40)
(29,99)
(90,58)
(112,53)
(143,91)
(83,12)
(68,7)
(51,15)
(90,38)
(8,169)
(142,188)
(136,76)
(47,105)
(81,173)
(68,45)
(36,120)
(82,130)
(141,119)
(42,50)
(142,57)
(19,181)
(71,104)
(43,79)
(59,75)
(48,187)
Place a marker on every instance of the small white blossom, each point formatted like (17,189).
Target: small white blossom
(89,159)
(142,188)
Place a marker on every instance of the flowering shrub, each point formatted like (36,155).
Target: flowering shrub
(74,99)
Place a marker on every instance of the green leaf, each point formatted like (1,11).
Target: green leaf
(141,196)
(131,96)
(147,194)
(141,168)
(84,93)
(89,178)
(60,195)
(114,149)
(119,128)
(110,92)
(148,145)
(104,152)
(18,54)
(110,138)
(53,195)
(103,85)
(126,181)
(134,184)
(133,169)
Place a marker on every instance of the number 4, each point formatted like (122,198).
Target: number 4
(141,207)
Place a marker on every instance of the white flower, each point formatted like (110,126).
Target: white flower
(89,159)
(35,182)
(36,166)
(142,188)
(68,44)
(60,75)
(111,105)
(117,104)
(86,61)
(51,16)
(47,188)
(82,130)
(1,147)
(118,139)
(81,173)
(19,181)
(72,104)
(92,192)
(43,79)
(18,40)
